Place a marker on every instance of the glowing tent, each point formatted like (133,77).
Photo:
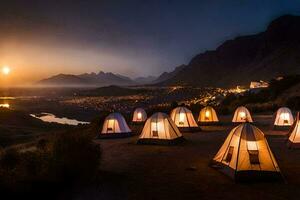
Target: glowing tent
(184,119)
(294,139)
(115,126)
(160,129)
(208,115)
(139,115)
(246,155)
(242,114)
(283,118)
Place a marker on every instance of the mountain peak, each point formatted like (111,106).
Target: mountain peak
(284,21)
(87,79)
(238,61)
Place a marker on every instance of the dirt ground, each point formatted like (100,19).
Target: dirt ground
(132,171)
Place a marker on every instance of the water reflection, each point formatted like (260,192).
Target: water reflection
(7,98)
(48,117)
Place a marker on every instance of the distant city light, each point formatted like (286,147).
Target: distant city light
(4,105)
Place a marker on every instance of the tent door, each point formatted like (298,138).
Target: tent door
(155,133)
(253,156)
(229,154)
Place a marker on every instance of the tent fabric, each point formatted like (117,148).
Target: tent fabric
(115,123)
(242,114)
(139,115)
(294,138)
(183,117)
(160,127)
(208,114)
(246,151)
(283,117)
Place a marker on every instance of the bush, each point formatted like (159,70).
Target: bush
(174,104)
(75,157)
(294,103)
(9,159)
(62,159)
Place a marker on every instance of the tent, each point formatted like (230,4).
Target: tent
(208,115)
(160,129)
(184,119)
(283,118)
(139,115)
(246,155)
(242,114)
(294,138)
(115,126)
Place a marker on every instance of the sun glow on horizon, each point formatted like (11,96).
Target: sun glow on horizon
(6,70)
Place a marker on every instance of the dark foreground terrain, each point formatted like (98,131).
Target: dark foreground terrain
(133,171)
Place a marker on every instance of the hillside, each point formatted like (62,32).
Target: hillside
(17,127)
(265,55)
(169,75)
(145,80)
(86,79)
(112,91)
(62,79)
(281,92)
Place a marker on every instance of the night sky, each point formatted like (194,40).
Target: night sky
(130,37)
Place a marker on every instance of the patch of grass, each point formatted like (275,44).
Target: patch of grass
(294,103)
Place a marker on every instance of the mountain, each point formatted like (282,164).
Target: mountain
(145,80)
(168,75)
(19,127)
(87,79)
(63,79)
(108,78)
(161,78)
(274,52)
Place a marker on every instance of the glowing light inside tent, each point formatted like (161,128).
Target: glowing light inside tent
(207,114)
(252,146)
(243,115)
(139,116)
(181,117)
(110,124)
(154,126)
(285,117)
(4,105)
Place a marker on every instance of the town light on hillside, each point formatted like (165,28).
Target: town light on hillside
(4,105)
